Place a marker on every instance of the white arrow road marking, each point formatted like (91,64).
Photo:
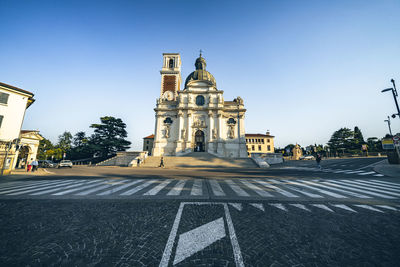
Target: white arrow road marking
(279,206)
(198,239)
(300,206)
(321,206)
(237,206)
(202,235)
(258,206)
(341,206)
(368,208)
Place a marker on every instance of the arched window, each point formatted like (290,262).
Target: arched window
(200,100)
(171,63)
(231,121)
(168,120)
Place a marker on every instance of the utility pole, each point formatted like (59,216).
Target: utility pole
(388,122)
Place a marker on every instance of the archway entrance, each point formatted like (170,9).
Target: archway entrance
(199,141)
(22,157)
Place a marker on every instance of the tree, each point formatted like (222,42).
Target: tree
(45,148)
(358,139)
(65,141)
(341,140)
(109,136)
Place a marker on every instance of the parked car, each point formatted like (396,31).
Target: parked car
(307,157)
(46,164)
(65,163)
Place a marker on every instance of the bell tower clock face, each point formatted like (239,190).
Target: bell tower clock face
(168,95)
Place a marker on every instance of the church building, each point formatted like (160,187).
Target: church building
(196,118)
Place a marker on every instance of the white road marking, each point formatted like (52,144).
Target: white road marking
(368,184)
(237,254)
(318,189)
(379,175)
(62,188)
(258,206)
(138,188)
(80,188)
(172,236)
(332,187)
(177,188)
(157,188)
(321,206)
(15,185)
(298,190)
(170,243)
(385,182)
(341,206)
(353,188)
(237,189)
(279,206)
(351,172)
(237,206)
(366,173)
(96,189)
(198,239)
(277,189)
(256,189)
(371,165)
(35,186)
(300,206)
(197,189)
(341,171)
(216,188)
(362,189)
(386,207)
(368,208)
(119,188)
(41,188)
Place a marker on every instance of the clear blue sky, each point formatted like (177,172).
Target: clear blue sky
(303,68)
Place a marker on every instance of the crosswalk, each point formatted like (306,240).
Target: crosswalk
(341,171)
(311,207)
(263,188)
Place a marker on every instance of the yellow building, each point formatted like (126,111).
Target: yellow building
(260,143)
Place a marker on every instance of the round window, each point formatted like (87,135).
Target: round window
(200,100)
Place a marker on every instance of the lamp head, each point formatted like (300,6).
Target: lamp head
(387,89)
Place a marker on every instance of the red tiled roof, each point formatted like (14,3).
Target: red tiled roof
(16,89)
(260,135)
(149,137)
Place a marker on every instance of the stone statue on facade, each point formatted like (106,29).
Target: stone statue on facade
(166,131)
(231,132)
(214,133)
(183,134)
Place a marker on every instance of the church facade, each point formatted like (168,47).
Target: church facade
(196,118)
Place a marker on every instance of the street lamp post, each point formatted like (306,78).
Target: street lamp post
(394,92)
(388,122)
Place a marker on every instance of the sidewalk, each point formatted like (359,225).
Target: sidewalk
(23,173)
(392,170)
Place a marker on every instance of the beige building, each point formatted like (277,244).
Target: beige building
(28,148)
(148,143)
(260,143)
(13,103)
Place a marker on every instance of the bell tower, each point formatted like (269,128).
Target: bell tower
(170,76)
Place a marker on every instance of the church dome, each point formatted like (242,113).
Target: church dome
(200,74)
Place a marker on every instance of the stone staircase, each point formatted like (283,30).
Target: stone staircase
(123,159)
(199,160)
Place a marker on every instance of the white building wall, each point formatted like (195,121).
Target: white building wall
(13,113)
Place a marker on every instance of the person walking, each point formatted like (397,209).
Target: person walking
(35,165)
(162,162)
(318,159)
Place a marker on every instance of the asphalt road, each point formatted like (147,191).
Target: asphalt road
(290,215)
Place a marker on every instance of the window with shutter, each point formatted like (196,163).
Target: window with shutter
(4,98)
